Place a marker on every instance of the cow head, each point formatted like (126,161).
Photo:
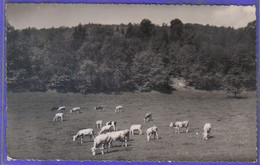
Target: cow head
(93,150)
(74,137)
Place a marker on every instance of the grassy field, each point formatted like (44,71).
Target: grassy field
(31,133)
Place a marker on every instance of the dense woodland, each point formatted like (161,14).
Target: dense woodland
(142,57)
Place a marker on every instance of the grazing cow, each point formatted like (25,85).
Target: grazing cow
(106,128)
(152,131)
(99,124)
(60,109)
(119,108)
(58,116)
(206,130)
(101,141)
(99,108)
(75,109)
(148,117)
(137,127)
(121,136)
(180,124)
(84,132)
(113,123)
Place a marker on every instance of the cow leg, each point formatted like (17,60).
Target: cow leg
(110,144)
(125,142)
(102,149)
(107,147)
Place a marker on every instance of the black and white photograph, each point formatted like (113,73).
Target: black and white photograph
(131,82)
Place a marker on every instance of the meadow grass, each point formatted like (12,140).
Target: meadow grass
(31,133)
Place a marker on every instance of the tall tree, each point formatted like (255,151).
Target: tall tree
(79,35)
(176,29)
(146,29)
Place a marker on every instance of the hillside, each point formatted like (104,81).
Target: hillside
(96,58)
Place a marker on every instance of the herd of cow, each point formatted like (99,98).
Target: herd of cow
(109,133)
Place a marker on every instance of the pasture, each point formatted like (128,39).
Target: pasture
(31,133)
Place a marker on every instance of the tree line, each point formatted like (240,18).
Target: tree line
(142,57)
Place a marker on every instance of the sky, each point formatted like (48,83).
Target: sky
(55,15)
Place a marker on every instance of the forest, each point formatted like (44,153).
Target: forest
(95,58)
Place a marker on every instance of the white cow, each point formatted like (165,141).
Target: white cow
(106,128)
(62,108)
(75,109)
(152,131)
(137,127)
(58,116)
(113,123)
(148,117)
(121,136)
(206,130)
(99,108)
(99,124)
(119,108)
(84,132)
(180,124)
(101,141)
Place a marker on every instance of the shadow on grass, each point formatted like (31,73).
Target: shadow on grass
(154,139)
(55,122)
(76,112)
(136,133)
(120,145)
(238,97)
(85,141)
(211,137)
(106,151)
(130,140)
(111,151)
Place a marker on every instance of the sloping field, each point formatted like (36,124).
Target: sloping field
(31,133)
